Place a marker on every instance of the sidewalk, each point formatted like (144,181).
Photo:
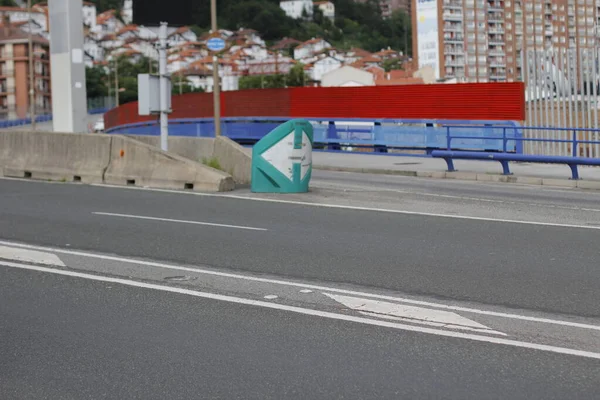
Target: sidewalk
(427,167)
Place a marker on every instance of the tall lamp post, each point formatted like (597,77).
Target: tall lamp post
(216,85)
(31,70)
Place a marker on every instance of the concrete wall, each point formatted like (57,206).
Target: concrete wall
(96,158)
(233,158)
(140,164)
(56,156)
(195,149)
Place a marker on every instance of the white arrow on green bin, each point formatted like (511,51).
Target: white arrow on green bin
(282,160)
(283,155)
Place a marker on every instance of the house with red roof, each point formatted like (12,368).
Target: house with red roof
(310,47)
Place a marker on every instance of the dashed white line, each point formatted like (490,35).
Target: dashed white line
(180,221)
(311,312)
(270,297)
(310,287)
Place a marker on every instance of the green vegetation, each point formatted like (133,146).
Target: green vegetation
(356,24)
(212,162)
(296,77)
(99,83)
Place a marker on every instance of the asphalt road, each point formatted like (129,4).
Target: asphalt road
(71,338)
(534,267)
(411,289)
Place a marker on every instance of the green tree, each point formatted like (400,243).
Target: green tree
(96,82)
(297,76)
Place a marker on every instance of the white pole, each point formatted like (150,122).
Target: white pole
(164,103)
(32,104)
(216,83)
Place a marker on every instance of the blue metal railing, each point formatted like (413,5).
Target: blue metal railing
(334,134)
(573,160)
(516,140)
(9,123)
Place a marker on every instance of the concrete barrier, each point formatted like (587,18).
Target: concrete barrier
(54,156)
(234,159)
(135,163)
(195,149)
(100,158)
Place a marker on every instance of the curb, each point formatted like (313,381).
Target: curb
(472,176)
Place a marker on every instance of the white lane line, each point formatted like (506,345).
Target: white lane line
(270,297)
(418,315)
(180,221)
(372,209)
(306,291)
(316,313)
(357,208)
(30,256)
(309,286)
(360,189)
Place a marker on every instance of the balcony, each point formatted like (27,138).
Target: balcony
(453,5)
(447,16)
(495,18)
(496,52)
(496,40)
(496,30)
(455,39)
(453,28)
(495,7)
(455,63)
(454,50)
(497,64)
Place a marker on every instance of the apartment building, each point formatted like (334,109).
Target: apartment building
(14,73)
(484,40)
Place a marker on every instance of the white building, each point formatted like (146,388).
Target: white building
(323,66)
(93,49)
(310,47)
(327,8)
(297,8)
(16,15)
(347,76)
(89,14)
(127,13)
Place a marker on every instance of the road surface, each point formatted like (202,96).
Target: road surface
(368,287)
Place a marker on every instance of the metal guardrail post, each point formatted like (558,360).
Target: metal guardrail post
(574,143)
(448,138)
(504,139)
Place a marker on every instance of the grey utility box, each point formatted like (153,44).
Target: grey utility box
(149,94)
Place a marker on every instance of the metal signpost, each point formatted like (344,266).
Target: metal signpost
(282,160)
(218,45)
(154,92)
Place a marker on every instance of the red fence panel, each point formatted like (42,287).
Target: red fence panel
(483,101)
(257,103)
(469,101)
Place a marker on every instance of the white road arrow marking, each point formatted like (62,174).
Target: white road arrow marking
(283,156)
(30,256)
(417,315)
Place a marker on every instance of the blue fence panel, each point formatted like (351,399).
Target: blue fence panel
(400,134)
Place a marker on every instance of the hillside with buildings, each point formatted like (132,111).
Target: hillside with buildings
(359,37)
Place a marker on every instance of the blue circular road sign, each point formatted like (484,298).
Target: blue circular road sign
(215,44)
